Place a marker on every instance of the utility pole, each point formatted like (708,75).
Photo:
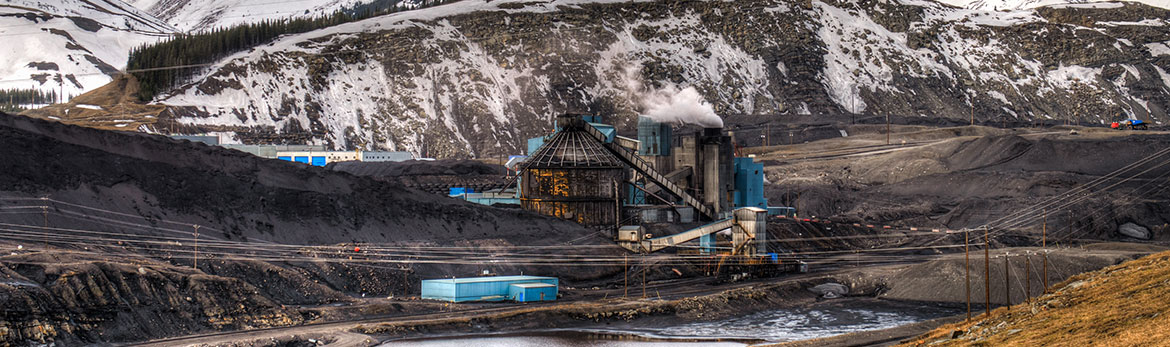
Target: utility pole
(767,134)
(45,215)
(1044,247)
(644,269)
(1007,274)
(626,277)
(1028,278)
(987,269)
(967,255)
(887,128)
(196,266)
(972,111)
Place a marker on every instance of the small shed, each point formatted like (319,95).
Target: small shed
(492,288)
(536,291)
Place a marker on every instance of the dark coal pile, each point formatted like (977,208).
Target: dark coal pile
(997,179)
(433,176)
(446,167)
(122,208)
(245,196)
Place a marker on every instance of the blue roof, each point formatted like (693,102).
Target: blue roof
(493,279)
(533,285)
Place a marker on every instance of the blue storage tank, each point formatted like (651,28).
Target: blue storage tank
(487,288)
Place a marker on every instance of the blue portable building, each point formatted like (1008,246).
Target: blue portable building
(528,292)
(495,288)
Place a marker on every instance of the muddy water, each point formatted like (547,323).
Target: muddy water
(823,319)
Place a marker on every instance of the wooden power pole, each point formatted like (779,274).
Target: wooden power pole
(45,237)
(1027,278)
(887,128)
(1007,274)
(972,111)
(987,269)
(1044,247)
(196,265)
(644,269)
(967,255)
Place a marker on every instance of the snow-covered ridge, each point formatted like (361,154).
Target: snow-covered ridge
(1011,5)
(83,42)
(477,77)
(201,15)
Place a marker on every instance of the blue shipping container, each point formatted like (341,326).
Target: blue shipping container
(483,288)
(318,161)
(302,160)
(285,158)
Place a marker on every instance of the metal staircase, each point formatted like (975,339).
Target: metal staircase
(644,168)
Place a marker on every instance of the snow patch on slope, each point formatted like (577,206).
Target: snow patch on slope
(1011,5)
(861,53)
(84,42)
(464,71)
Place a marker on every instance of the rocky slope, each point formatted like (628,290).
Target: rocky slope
(70,46)
(475,78)
(1005,5)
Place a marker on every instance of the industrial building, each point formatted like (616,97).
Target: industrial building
(493,288)
(322,158)
(315,155)
(587,173)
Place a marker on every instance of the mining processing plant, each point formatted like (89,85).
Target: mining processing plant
(585,172)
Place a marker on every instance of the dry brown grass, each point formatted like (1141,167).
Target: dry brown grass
(1122,305)
(120,109)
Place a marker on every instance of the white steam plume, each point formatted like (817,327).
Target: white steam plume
(671,104)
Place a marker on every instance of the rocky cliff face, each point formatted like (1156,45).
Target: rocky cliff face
(476,78)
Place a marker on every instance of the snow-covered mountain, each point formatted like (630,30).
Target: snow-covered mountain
(200,15)
(84,42)
(1011,5)
(476,78)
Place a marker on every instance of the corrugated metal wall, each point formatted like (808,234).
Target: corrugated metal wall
(584,195)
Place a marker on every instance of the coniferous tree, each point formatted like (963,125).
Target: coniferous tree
(166,64)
